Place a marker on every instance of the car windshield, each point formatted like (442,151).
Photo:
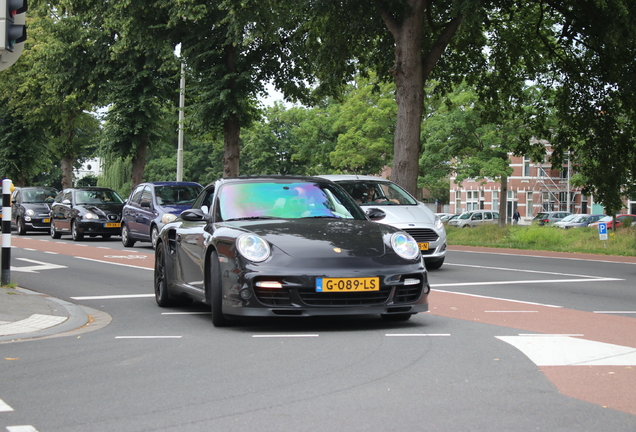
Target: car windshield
(570,218)
(580,218)
(542,216)
(38,196)
(105,196)
(375,193)
(285,200)
(606,219)
(465,216)
(177,194)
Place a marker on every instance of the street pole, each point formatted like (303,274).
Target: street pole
(6,231)
(180,140)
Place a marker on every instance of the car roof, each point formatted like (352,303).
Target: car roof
(171,183)
(341,177)
(272,177)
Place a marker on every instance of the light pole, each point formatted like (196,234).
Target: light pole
(180,139)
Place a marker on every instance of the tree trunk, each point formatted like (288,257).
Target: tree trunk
(232,139)
(232,124)
(139,163)
(503,209)
(411,72)
(67,172)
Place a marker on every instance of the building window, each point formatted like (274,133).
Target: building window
(472,200)
(495,200)
(529,204)
(526,167)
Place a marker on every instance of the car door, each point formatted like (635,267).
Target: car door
(129,212)
(476,219)
(191,245)
(16,206)
(144,214)
(488,218)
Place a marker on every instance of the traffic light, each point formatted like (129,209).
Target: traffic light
(12,23)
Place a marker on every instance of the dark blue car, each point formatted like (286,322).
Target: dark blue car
(152,205)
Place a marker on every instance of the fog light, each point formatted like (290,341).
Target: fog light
(245,294)
(269,284)
(27,218)
(411,281)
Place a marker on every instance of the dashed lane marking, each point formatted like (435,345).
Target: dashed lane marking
(23,428)
(113,297)
(285,336)
(497,298)
(417,334)
(148,337)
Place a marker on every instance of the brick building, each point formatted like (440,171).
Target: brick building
(532,188)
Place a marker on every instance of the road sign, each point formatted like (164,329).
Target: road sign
(602,231)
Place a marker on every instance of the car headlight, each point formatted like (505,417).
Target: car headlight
(30,212)
(438,223)
(91,216)
(404,245)
(167,218)
(253,247)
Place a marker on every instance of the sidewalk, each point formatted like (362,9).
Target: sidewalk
(26,314)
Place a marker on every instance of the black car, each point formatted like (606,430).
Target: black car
(31,207)
(152,205)
(89,211)
(287,246)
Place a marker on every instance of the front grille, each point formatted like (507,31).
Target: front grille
(273,296)
(313,298)
(422,235)
(407,294)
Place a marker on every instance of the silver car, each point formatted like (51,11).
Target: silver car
(402,211)
(475,218)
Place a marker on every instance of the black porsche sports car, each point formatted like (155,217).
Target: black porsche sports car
(287,246)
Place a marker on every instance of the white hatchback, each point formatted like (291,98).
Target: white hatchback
(402,211)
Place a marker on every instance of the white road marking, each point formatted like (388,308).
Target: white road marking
(615,312)
(4,407)
(286,336)
(127,256)
(524,282)
(113,297)
(38,267)
(114,263)
(23,428)
(497,298)
(516,270)
(186,313)
(148,337)
(569,351)
(511,311)
(416,334)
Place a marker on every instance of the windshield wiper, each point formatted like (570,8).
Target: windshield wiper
(251,218)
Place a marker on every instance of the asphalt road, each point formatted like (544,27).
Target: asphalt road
(512,342)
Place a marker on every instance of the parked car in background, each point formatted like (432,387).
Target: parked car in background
(578,221)
(152,205)
(449,218)
(31,208)
(549,218)
(287,246)
(88,211)
(475,218)
(620,220)
(565,220)
(402,211)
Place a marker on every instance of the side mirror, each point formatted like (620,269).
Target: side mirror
(375,214)
(67,202)
(194,215)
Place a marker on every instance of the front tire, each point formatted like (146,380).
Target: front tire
(126,240)
(215,292)
(154,236)
(21,227)
(54,234)
(76,235)
(162,296)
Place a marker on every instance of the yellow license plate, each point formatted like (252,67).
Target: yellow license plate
(347,284)
(113,225)
(423,246)
(47,220)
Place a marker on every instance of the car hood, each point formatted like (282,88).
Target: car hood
(403,214)
(37,207)
(316,238)
(103,209)
(174,209)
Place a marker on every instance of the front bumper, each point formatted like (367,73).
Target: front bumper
(99,228)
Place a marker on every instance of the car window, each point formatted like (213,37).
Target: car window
(146,195)
(495,215)
(288,200)
(177,194)
(136,195)
(488,215)
(464,216)
(477,216)
(98,196)
(542,216)
(366,192)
